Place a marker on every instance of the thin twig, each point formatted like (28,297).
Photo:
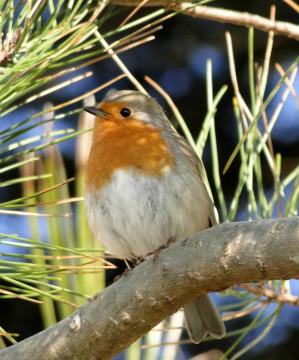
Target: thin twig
(271,295)
(225,16)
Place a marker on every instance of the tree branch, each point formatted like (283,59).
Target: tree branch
(223,15)
(212,260)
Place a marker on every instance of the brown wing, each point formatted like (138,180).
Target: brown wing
(191,156)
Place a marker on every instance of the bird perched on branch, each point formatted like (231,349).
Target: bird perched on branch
(144,189)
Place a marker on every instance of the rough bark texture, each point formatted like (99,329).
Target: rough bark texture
(212,260)
(223,15)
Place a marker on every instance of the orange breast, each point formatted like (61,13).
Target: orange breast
(120,144)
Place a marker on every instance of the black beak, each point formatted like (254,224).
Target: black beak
(96,112)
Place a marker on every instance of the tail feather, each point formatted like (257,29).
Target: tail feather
(202,318)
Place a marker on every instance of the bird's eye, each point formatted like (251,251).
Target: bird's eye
(125,112)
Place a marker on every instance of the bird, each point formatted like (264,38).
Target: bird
(144,189)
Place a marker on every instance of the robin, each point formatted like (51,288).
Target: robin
(143,189)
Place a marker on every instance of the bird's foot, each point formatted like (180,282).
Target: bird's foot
(164,246)
(130,265)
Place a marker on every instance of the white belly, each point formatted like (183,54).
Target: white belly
(134,215)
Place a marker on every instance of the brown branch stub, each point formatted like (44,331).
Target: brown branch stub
(242,18)
(223,15)
(212,260)
(9,45)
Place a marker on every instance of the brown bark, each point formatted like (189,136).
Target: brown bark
(223,15)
